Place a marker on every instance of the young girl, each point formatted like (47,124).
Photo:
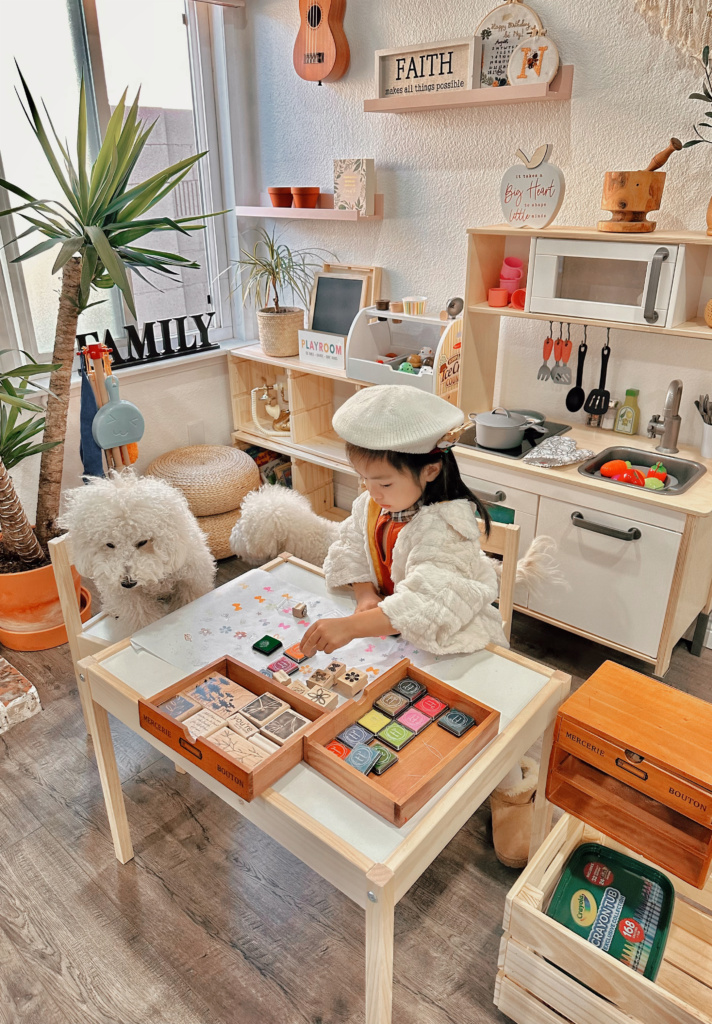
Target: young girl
(411,548)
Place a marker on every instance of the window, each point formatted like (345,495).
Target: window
(161,37)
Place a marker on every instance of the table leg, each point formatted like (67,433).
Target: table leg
(100,732)
(380,907)
(543,810)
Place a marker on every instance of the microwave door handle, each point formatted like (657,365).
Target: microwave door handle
(650,314)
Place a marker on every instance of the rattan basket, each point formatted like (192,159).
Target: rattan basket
(214,478)
(279,332)
(217,529)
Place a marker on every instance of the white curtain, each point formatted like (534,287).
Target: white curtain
(686,23)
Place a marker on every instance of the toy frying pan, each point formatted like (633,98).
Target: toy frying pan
(118,422)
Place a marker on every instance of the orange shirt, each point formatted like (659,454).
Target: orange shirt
(386,535)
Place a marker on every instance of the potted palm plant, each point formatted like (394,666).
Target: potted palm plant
(95,222)
(273,269)
(705,97)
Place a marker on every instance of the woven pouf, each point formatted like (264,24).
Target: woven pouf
(217,530)
(214,478)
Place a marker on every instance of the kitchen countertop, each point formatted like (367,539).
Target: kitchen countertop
(697,501)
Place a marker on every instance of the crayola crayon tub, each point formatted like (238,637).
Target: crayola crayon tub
(617,904)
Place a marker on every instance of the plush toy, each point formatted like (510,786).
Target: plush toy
(136,538)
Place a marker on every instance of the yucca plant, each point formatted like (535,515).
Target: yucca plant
(273,268)
(95,223)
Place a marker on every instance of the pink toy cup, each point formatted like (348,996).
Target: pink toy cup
(512,267)
(510,283)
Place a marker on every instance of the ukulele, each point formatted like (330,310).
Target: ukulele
(321,52)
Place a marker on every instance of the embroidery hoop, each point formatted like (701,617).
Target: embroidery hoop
(513,9)
(549,67)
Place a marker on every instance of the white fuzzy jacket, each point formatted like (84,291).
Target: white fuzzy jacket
(444,585)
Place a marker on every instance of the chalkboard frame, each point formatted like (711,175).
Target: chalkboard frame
(363,278)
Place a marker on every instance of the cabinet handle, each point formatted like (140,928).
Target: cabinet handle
(583,524)
(651,292)
(491,499)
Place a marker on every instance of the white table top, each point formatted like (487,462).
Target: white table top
(496,681)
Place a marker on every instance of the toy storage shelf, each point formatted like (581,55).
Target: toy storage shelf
(325,211)
(559,89)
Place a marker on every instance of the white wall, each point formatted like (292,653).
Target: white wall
(440,171)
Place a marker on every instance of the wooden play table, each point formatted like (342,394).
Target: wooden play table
(367,858)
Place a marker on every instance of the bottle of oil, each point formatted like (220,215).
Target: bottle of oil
(628,415)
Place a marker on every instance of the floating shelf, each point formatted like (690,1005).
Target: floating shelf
(696,328)
(325,211)
(559,89)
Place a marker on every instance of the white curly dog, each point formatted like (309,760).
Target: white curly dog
(136,538)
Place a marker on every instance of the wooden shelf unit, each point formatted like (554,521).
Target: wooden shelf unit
(315,450)
(559,89)
(487,247)
(324,211)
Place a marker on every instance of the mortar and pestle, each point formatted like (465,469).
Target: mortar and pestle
(631,195)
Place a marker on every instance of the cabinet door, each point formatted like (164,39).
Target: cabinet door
(619,578)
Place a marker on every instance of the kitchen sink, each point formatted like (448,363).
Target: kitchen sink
(682,473)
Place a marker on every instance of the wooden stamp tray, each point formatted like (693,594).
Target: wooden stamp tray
(246,782)
(424,765)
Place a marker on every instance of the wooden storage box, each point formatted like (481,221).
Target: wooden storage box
(247,783)
(633,757)
(549,975)
(424,765)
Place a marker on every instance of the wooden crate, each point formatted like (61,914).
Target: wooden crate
(247,783)
(549,975)
(425,764)
(631,756)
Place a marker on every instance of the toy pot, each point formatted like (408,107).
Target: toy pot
(630,196)
(280,196)
(306,198)
(30,613)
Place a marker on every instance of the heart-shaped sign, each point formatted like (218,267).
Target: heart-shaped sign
(532,192)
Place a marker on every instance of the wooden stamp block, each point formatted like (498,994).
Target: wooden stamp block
(362,758)
(350,682)
(299,611)
(321,678)
(430,706)
(340,749)
(322,698)
(280,729)
(202,723)
(354,734)
(395,735)
(220,695)
(267,645)
(335,669)
(301,688)
(373,721)
(281,677)
(456,722)
(241,726)
(179,707)
(264,744)
(409,688)
(414,720)
(283,665)
(244,751)
(386,758)
(392,703)
(296,654)
(263,709)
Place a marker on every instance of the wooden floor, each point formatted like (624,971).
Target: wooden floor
(213,923)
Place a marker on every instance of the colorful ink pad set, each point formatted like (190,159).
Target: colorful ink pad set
(241,727)
(401,741)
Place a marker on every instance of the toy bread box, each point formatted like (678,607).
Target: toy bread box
(633,757)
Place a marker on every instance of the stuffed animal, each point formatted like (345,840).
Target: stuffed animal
(136,538)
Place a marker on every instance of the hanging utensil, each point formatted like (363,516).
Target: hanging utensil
(577,396)
(544,370)
(599,399)
(565,371)
(558,351)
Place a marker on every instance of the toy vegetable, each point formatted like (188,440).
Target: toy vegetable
(631,476)
(654,483)
(658,472)
(615,467)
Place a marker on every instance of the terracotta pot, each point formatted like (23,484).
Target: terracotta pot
(279,332)
(306,198)
(280,196)
(29,605)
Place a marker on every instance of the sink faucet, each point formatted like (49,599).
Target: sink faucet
(668,427)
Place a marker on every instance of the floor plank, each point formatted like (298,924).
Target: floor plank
(213,922)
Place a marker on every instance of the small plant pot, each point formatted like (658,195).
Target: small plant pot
(306,198)
(279,332)
(280,196)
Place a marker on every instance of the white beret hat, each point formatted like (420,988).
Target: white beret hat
(393,418)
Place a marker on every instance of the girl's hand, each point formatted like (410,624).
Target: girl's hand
(367,602)
(327,635)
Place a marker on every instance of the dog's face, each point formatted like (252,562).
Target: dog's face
(132,560)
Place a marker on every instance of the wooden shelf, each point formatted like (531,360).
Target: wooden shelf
(325,450)
(325,211)
(257,355)
(696,328)
(559,89)
(592,234)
